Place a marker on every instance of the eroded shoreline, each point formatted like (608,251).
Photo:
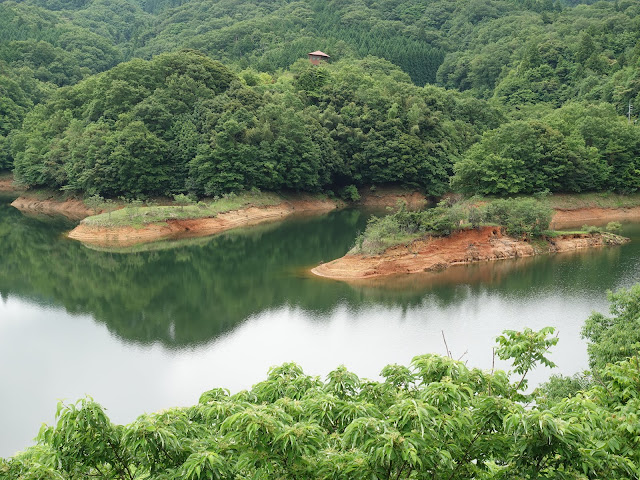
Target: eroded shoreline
(572,218)
(73,209)
(7,185)
(126,236)
(464,247)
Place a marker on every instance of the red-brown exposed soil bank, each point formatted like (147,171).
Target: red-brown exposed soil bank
(382,197)
(126,236)
(467,246)
(389,197)
(71,208)
(578,217)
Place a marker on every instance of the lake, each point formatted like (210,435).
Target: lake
(142,331)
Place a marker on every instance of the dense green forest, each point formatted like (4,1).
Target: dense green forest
(184,122)
(434,419)
(128,98)
(140,98)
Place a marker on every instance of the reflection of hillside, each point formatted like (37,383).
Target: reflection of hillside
(196,291)
(182,296)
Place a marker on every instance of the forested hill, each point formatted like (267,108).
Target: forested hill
(478,44)
(530,66)
(183,122)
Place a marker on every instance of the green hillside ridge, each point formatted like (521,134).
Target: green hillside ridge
(555,80)
(182,123)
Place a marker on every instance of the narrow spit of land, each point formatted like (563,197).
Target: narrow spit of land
(97,234)
(425,254)
(466,246)
(118,225)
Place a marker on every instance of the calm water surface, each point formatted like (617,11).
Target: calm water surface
(148,330)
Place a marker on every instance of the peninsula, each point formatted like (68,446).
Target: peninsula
(465,232)
(429,254)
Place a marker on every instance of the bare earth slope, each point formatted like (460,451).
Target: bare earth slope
(578,217)
(467,246)
(127,236)
(72,208)
(7,185)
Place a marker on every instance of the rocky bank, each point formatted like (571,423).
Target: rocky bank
(463,247)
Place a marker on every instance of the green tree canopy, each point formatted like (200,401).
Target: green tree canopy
(436,418)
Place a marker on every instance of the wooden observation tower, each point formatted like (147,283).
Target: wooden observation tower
(316,57)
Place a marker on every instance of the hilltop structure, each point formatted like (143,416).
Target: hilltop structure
(317,57)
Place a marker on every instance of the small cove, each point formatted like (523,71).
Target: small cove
(153,329)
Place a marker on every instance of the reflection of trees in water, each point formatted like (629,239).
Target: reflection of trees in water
(179,296)
(193,293)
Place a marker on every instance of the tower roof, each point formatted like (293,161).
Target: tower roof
(319,53)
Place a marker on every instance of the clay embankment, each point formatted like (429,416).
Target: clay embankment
(6,185)
(389,197)
(593,216)
(72,208)
(467,246)
(383,197)
(126,236)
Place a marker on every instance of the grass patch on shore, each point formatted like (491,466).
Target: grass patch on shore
(138,216)
(562,233)
(568,201)
(372,243)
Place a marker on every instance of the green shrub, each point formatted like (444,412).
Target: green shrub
(350,193)
(591,229)
(520,217)
(613,227)
(614,338)
(561,386)
(181,199)
(94,202)
(526,218)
